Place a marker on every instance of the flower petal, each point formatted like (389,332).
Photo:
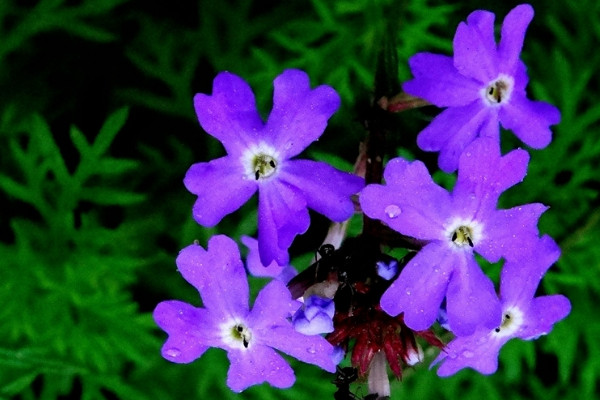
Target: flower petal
(520,277)
(411,203)
(529,120)
(478,351)
(544,312)
(326,190)
(313,349)
(483,174)
(221,188)
(229,114)
(299,114)
(191,330)
(452,130)
(281,272)
(511,233)
(471,300)
(257,365)
(218,274)
(273,305)
(421,286)
(513,33)
(282,214)
(475,47)
(437,81)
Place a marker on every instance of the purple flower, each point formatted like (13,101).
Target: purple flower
(387,270)
(315,316)
(482,85)
(282,272)
(523,315)
(259,159)
(248,336)
(455,225)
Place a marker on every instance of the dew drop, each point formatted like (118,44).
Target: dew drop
(468,354)
(172,352)
(408,291)
(392,211)
(311,350)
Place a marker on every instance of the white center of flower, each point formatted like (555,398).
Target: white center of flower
(512,320)
(236,334)
(463,233)
(498,91)
(260,161)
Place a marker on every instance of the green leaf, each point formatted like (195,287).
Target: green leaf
(109,130)
(106,196)
(16,386)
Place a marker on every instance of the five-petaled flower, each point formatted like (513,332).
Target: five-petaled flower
(259,159)
(454,225)
(523,315)
(482,85)
(226,322)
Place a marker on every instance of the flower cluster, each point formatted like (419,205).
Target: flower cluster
(369,304)
(483,86)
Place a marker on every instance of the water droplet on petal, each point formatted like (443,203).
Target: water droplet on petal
(408,291)
(311,350)
(392,211)
(468,354)
(172,353)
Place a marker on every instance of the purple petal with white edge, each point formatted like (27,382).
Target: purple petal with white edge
(273,305)
(256,268)
(483,174)
(218,274)
(421,286)
(282,214)
(451,131)
(543,313)
(191,330)
(229,114)
(511,233)
(437,81)
(221,188)
(513,33)
(529,120)
(313,349)
(475,47)
(257,365)
(299,114)
(471,300)
(478,351)
(326,190)
(411,203)
(520,278)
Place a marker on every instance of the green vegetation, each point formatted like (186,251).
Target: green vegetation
(97,129)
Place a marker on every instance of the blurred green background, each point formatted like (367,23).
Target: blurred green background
(97,130)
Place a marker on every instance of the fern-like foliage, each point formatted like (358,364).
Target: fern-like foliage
(66,273)
(48,15)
